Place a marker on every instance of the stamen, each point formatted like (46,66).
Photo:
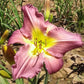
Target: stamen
(39,44)
(35,42)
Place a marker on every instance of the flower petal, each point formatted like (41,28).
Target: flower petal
(26,66)
(52,64)
(49,26)
(32,19)
(65,41)
(16,37)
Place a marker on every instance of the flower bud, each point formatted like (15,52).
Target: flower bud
(9,53)
(3,73)
(47,9)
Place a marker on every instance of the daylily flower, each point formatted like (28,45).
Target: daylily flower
(43,43)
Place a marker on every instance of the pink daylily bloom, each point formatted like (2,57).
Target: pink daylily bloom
(43,43)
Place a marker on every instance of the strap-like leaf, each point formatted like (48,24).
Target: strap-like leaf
(3,80)
(5,69)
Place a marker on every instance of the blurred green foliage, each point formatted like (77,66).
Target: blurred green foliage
(9,16)
(63,8)
(80,14)
(72,13)
(4,15)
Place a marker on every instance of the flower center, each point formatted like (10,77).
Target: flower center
(41,41)
(40,45)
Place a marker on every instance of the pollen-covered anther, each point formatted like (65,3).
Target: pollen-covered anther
(40,44)
(35,42)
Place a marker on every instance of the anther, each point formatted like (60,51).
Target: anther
(40,44)
(35,42)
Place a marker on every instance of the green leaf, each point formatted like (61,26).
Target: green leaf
(3,80)
(5,69)
(6,81)
(37,80)
(46,75)
(8,15)
(9,27)
(16,13)
(12,19)
(19,81)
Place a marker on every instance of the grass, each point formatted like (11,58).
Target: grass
(68,9)
(9,16)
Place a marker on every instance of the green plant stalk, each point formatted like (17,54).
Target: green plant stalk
(37,78)
(19,81)
(32,80)
(46,78)
(46,75)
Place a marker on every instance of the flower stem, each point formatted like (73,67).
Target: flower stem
(19,81)
(37,78)
(46,76)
